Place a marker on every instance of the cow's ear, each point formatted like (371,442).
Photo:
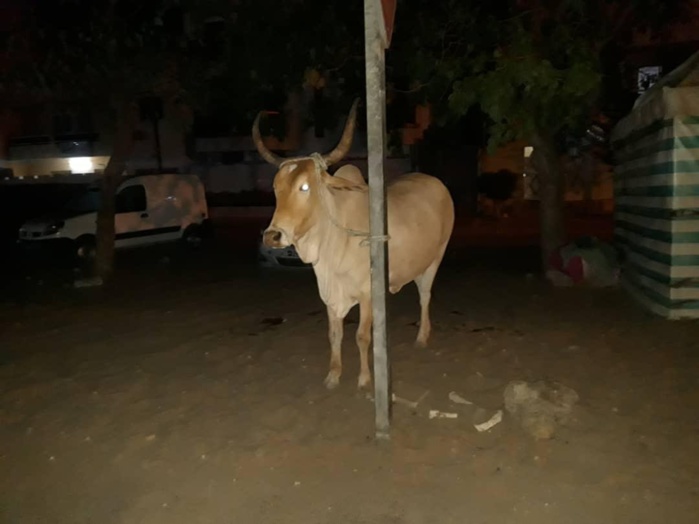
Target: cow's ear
(342,184)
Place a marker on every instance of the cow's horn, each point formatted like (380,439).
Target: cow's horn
(346,141)
(259,144)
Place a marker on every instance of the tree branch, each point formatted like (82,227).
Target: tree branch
(416,89)
(621,21)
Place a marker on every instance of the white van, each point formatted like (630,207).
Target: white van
(150,209)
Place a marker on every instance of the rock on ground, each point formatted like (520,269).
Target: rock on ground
(540,407)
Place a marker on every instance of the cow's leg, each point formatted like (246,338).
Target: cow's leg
(363,341)
(424,287)
(335,332)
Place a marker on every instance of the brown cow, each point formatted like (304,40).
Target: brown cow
(327,219)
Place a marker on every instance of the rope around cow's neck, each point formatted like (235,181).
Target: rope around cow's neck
(320,166)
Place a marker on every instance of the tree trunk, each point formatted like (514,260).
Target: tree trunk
(121,151)
(294,124)
(588,168)
(551,191)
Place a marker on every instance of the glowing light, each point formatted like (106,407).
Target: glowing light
(80,165)
(528,150)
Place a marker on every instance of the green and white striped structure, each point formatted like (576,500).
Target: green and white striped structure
(657,194)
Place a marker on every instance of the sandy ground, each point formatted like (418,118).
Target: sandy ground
(178,397)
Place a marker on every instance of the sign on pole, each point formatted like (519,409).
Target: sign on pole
(388,10)
(376,38)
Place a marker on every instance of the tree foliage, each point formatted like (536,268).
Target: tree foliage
(532,66)
(96,50)
(274,48)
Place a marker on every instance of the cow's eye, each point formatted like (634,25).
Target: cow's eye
(304,187)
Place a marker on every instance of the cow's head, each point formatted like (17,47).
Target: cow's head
(301,185)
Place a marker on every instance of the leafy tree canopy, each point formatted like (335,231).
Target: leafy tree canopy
(105,53)
(274,48)
(531,66)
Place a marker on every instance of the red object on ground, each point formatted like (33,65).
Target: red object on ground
(573,267)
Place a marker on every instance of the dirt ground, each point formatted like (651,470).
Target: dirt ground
(179,396)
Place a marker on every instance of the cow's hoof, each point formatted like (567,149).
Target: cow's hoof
(332,380)
(364,382)
(421,343)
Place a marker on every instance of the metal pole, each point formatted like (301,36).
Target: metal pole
(374,46)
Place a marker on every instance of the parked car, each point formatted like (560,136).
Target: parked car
(150,209)
(285,257)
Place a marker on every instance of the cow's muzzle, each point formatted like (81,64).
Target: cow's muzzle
(274,238)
